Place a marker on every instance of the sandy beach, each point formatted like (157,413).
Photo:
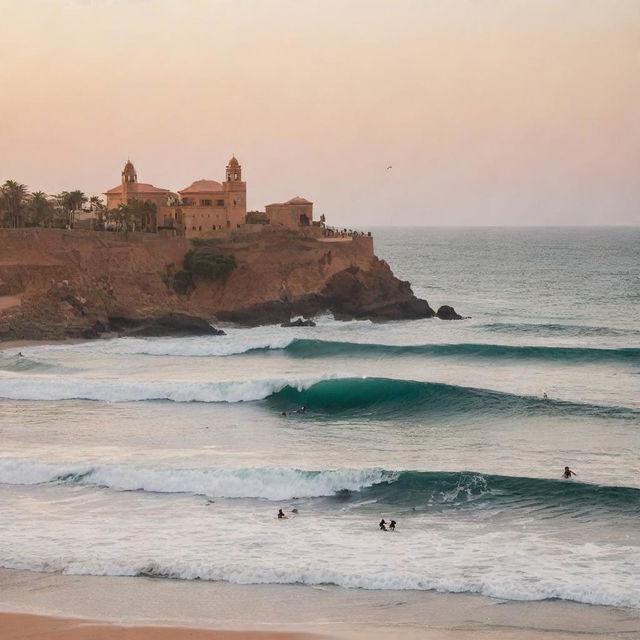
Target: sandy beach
(53,606)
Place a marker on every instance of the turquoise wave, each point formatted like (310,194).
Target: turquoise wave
(551,497)
(389,397)
(304,348)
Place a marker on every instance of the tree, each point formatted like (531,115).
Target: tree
(14,197)
(142,215)
(98,207)
(40,209)
(74,201)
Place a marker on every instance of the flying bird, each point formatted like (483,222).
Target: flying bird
(389,167)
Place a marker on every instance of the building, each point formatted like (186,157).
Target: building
(201,209)
(293,213)
(209,206)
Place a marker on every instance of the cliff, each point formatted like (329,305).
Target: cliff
(56,283)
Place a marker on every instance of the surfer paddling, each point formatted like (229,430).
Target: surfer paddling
(567,473)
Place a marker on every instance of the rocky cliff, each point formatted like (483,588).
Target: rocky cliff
(56,283)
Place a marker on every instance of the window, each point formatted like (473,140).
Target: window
(234,202)
(205,203)
(200,228)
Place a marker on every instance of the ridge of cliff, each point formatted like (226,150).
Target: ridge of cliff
(58,283)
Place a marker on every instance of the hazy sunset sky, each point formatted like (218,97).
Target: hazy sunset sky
(489,111)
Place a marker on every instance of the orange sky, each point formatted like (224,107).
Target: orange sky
(490,111)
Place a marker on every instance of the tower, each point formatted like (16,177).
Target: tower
(234,170)
(129,176)
(235,194)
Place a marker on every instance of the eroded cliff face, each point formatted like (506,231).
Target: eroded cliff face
(56,283)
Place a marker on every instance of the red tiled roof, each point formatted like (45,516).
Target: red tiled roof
(202,186)
(139,187)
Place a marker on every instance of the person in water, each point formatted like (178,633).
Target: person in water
(281,514)
(383,525)
(392,525)
(568,473)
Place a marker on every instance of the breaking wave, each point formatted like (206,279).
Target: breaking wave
(302,348)
(421,489)
(322,396)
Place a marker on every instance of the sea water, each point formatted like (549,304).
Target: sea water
(170,457)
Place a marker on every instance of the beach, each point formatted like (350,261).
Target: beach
(269,611)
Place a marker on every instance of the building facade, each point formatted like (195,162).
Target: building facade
(203,208)
(294,213)
(209,206)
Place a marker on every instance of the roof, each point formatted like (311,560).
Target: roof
(234,162)
(138,187)
(203,186)
(296,200)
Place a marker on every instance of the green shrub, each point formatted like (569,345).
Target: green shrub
(209,265)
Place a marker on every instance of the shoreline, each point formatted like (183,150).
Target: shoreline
(217,609)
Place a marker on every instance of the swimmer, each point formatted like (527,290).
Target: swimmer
(383,525)
(284,413)
(392,525)
(281,514)
(20,354)
(568,473)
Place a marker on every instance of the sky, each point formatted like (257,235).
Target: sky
(489,112)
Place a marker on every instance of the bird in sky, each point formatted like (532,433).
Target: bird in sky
(389,167)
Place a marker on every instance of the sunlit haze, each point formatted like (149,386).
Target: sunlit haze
(488,112)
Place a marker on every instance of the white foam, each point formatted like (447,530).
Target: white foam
(108,390)
(269,483)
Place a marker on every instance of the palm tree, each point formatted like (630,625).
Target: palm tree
(75,200)
(40,209)
(142,215)
(98,207)
(14,196)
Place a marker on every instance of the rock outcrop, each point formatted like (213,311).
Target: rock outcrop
(169,324)
(445,312)
(299,322)
(58,283)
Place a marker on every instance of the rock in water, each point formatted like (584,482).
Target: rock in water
(445,312)
(300,322)
(169,324)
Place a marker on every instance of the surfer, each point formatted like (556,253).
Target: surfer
(383,525)
(281,514)
(20,354)
(545,396)
(568,473)
(392,525)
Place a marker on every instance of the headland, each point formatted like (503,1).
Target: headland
(57,283)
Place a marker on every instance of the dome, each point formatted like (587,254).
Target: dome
(234,162)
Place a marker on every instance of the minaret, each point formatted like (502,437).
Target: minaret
(129,176)
(235,194)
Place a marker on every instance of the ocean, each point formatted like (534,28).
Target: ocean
(170,457)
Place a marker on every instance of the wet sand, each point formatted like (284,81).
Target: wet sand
(129,607)
(23,627)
